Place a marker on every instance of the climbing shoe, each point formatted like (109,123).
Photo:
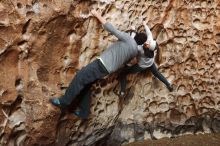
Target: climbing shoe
(56,102)
(77,113)
(81,114)
(170,88)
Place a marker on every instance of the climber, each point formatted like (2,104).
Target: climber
(146,56)
(108,62)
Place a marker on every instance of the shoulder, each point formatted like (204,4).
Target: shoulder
(127,37)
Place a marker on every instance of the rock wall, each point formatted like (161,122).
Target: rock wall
(44,42)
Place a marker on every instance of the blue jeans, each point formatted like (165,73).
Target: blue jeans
(83,80)
(135,69)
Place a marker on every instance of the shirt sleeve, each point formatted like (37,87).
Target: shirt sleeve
(120,35)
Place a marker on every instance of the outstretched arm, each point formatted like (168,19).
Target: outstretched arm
(109,27)
(98,16)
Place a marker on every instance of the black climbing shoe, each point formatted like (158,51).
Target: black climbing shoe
(81,114)
(170,88)
(76,113)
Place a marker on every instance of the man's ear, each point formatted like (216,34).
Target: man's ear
(145,45)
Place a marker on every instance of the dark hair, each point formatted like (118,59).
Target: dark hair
(148,53)
(140,38)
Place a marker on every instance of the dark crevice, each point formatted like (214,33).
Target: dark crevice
(25,27)
(71,32)
(5,52)
(15,135)
(2,25)
(17,82)
(103,141)
(16,104)
(21,42)
(28,6)
(34,1)
(45,5)
(30,13)
(10,108)
(54,19)
(19,5)
(218,39)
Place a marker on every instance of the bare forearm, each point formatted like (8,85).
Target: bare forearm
(148,32)
(101,19)
(108,26)
(98,16)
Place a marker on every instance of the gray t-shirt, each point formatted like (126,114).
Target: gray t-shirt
(119,52)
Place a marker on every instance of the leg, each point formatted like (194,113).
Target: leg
(128,70)
(85,76)
(158,75)
(84,103)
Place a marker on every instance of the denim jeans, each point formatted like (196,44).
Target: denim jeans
(84,102)
(84,77)
(135,69)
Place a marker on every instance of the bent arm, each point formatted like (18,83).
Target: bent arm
(150,43)
(148,32)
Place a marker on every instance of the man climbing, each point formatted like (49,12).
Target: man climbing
(146,55)
(108,62)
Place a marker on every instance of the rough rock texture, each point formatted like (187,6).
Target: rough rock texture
(44,42)
(208,139)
